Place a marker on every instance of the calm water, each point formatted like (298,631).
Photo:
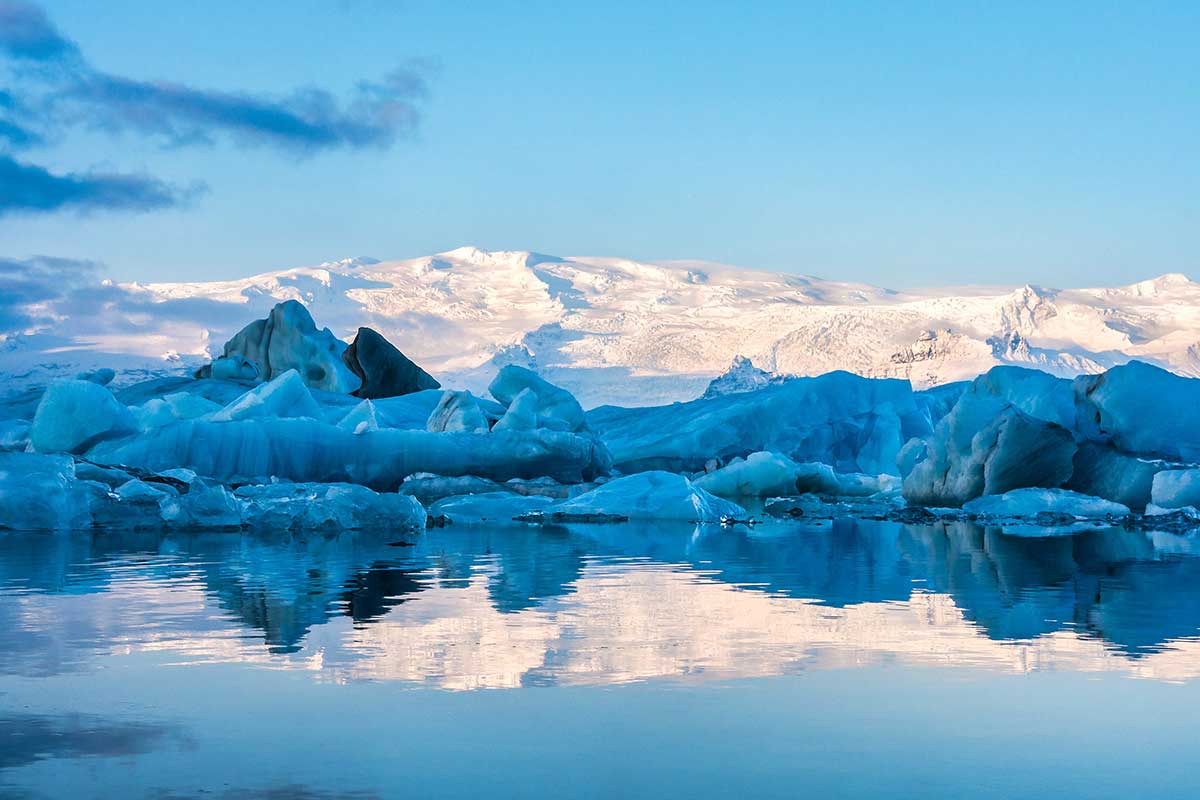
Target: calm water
(852,659)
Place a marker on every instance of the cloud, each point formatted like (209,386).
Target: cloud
(73,92)
(32,188)
(59,89)
(309,119)
(26,34)
(31,287)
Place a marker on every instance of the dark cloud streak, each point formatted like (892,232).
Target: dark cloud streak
(32,188)
(307,120)
(26,34)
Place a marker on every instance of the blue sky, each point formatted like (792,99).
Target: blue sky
(903,144)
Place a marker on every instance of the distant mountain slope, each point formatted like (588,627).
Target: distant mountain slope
(620,331)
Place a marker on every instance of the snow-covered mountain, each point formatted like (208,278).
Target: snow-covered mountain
(619,331)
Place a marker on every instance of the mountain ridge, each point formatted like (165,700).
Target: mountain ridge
(626,331)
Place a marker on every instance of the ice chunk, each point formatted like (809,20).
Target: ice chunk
(142,505)
(488,507)
(546,487)
(1141,409)
(210,505)
(522,413)
(289,339)
(652,495)
(1176,488)
(383,369)
(14,434)
(429,488)
(457,411)
(760,474)
(110,477)
(337,506)
(74,415)
(362,418)
(36,493)
(310,450)
(284,396)
(103,376)
(234,368)
(853,424)
(990,443)
(556,407)
(1030,502)
(159,411)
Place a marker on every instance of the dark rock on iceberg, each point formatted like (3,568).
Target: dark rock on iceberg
(383,369)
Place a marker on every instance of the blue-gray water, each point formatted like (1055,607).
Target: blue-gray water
(853,659)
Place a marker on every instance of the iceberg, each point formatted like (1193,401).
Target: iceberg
(1142,409)
(383,370)
(288,339)
(457,411)
(761,474)
(522,413)
(284,396)
(991,441)
(103,376)
(159,411)
(14,434)
(362,418)
(555,407)
(1030,502)
(1104,471)
(429,488)
(854,424)
(1176,489)
(489,507)
(654,495)
(74,415)
(306,450)
(36,493)
(233,368)
(337,506)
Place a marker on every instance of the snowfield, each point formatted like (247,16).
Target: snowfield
(615,331)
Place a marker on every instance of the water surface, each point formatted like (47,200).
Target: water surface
(850,659)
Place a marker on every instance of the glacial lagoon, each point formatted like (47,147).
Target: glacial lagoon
(789,659)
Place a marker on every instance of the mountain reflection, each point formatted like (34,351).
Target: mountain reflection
(475,607)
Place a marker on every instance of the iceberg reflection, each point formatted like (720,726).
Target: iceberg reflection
(512,606)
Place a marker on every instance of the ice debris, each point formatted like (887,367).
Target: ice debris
(47,492)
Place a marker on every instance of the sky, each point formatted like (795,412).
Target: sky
(901,144)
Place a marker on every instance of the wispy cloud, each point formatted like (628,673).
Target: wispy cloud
(30,287)
(309,119)
(30,188)
(27,34)
(59,89)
